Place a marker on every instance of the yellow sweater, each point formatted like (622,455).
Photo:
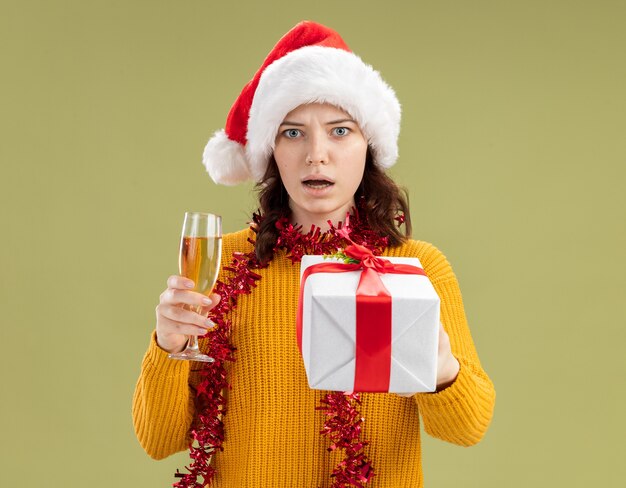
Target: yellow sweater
(272,428)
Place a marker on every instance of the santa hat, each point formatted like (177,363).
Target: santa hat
(311,63)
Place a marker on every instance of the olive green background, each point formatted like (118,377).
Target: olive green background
(512,147)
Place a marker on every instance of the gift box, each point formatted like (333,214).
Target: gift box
(368,327)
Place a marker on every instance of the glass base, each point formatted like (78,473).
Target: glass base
(191,356)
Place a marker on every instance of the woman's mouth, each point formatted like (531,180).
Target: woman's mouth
(317,184)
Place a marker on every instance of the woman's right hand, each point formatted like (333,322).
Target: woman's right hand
(174,319)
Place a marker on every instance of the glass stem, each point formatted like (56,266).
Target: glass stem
(193,343)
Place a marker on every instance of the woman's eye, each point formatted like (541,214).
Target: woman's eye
(292,133)
(341,131)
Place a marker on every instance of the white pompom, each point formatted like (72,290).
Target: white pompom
(225,160)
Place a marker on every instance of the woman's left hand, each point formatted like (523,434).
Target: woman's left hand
(447,365)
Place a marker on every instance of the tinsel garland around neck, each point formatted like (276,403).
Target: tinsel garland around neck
(343,421)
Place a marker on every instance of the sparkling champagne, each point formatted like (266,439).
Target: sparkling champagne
(200,261)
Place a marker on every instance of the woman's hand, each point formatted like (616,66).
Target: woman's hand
(447,365)
(175,318)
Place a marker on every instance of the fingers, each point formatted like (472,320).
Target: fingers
(183,312)
(180,282)
(177,314)
(174,327)
(173,296)
(176,321)
(444,339)
(179,292)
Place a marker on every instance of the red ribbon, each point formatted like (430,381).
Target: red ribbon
(373,314)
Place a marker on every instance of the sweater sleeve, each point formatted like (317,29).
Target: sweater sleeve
(163,409)
(462,412)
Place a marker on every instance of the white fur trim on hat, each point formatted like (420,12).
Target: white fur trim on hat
(324,75)
(225,160)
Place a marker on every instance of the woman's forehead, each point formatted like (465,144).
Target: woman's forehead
(317,108)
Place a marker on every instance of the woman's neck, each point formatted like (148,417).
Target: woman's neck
(308,219)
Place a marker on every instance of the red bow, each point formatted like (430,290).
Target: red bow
(367,258)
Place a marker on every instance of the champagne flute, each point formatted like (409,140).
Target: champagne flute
(199,260)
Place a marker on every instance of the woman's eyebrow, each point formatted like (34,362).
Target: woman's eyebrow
(340,121)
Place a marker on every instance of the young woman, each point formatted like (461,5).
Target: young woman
(316,128)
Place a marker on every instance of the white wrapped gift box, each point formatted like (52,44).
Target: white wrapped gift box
(328,329)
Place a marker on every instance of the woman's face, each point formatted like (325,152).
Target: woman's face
(320,152)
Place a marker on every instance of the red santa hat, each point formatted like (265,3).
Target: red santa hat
(311,63)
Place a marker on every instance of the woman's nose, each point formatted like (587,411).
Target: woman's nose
(317,151)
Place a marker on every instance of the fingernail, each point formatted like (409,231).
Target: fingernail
(207,301)
(209,323)
(189,284)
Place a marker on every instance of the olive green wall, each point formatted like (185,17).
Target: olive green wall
(512,147)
